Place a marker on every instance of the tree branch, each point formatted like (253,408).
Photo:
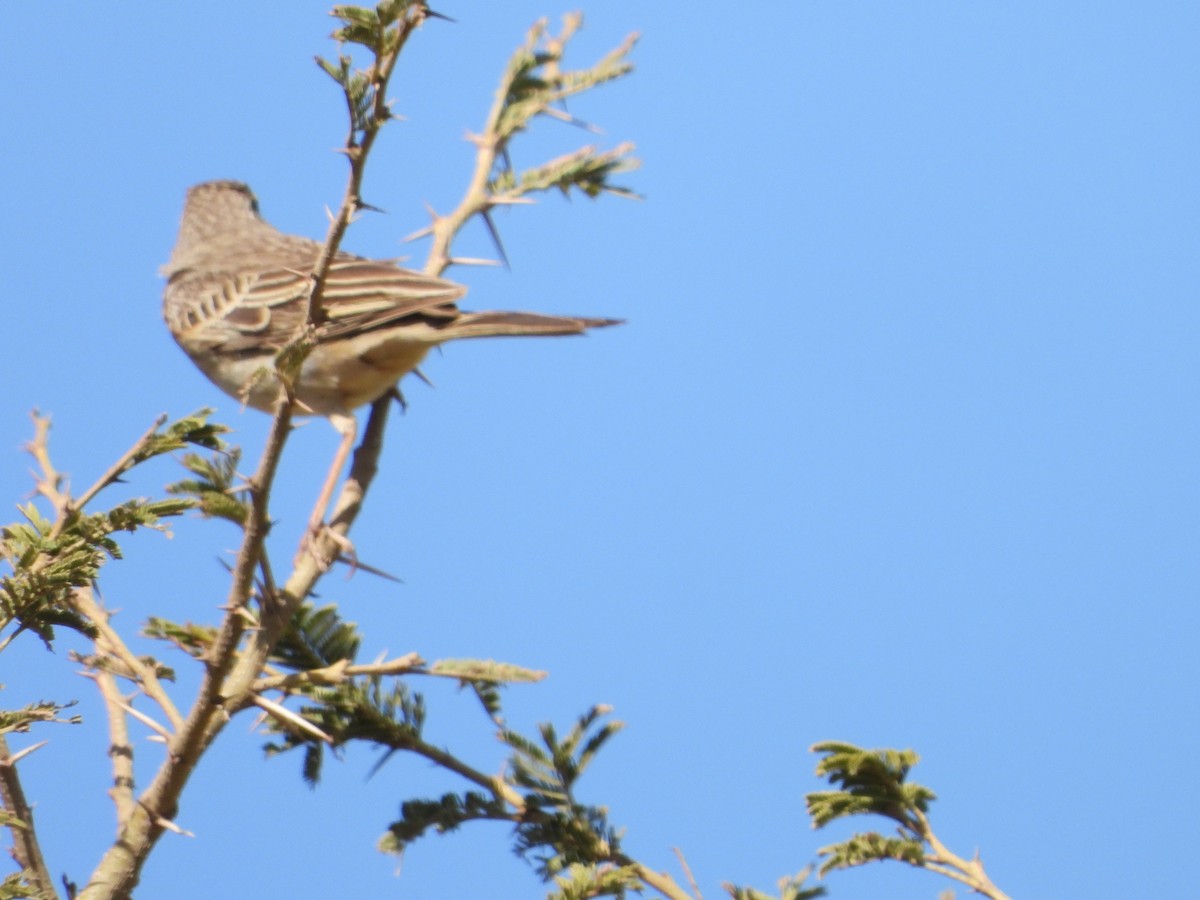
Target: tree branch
(119,747)
(109,641)
(26,850)
(946,862)
(230,674)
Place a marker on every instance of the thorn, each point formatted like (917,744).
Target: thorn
(389,114)
(491,227)
(473,261)
(510,200)
(144,719)
(399,398)
(287,716)
(170,826)
(360,203)
(564,116)
(379,765)
(355,564)
(423,377)
(418,234)
(12,760)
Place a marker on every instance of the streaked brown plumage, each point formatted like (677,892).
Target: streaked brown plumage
(236,294)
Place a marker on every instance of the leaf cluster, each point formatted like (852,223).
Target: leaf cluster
(871,782)
(790,888)
(49,560)
(382,30)
(569,842)
(214,490)
(535,85)
(15,721)
(18,886)
(386,714)
(557,830)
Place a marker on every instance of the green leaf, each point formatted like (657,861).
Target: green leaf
(446,814)
(582,882)
(558,831)
(19,721)
(870,847)
(316,638)
(791,888)
(871,781)
(358,710)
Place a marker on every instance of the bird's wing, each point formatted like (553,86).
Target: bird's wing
(363,295)
(236,312)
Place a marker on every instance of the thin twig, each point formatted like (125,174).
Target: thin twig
(357,152)
(339,673)
(290,719)
(119,747)
(25,849)
(660,881)
(21,754)
(231,673)
(110,642)
(687,871)
(946,862)
(497,785)
(117,469)
(161,730)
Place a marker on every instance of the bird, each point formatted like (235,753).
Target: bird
(237,293)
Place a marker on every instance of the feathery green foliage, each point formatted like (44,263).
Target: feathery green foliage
(18,887)
(444,815)
(582,882)
(193,639)
(50,560)
(790,888)
(366,710)
(557,830)
(316,638)
(17,721)
(868,847)
(213,489)
(872,781)
(535,85)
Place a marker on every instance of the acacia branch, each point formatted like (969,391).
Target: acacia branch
(946,862)
(122,465)
(26,850)
(493,783)
(108,641)
(660,881)
(339,673)
(236,658)
(230,673)
(119,747)
(357,151)
(120,869)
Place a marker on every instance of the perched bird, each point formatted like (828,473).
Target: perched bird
(237,292)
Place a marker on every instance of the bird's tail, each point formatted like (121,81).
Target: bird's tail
(515,324)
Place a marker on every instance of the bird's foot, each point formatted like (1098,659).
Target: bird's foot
(326,547)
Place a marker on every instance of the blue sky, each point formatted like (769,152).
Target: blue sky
(899,445)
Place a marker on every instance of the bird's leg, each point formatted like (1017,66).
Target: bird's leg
(347,426)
